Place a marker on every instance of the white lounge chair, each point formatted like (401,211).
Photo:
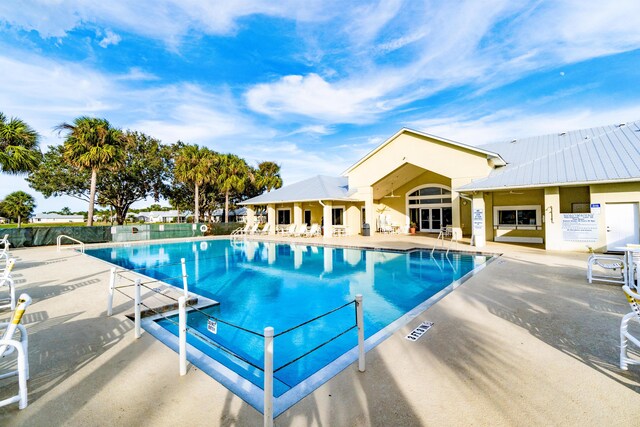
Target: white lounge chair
(265,229)
(633,264)
(7,281)
(625,336)
(254,229)
(290,231)
(606,262)
(9,344)
(313,231)
(241,230)
(4,249)
(301,230)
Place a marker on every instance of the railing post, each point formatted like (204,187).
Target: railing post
(184,278)
(112,285)
(182,326)
(268,376)
(360,323)
(137,308)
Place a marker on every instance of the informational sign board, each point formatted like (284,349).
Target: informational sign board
(595,208)
(478,219)
(579,227)
(212,326)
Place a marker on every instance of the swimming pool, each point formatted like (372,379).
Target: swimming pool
(260,284)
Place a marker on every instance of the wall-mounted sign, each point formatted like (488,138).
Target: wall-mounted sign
(595,208)
(478,219)
(579,227)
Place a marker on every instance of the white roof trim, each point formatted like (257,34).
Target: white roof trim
(497,159)
(553,184)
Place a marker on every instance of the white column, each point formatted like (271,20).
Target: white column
(251,215)
(551,215)
(369,208)
(271,218)
(479,220)
(327,213)
(297,213)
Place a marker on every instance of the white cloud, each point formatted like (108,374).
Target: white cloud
(509,124)
(315,97)
(110,38)
(167,20)
(482,45)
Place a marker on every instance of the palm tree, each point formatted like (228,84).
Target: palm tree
(18,205)
(92,144)
(195,165)
(268,176)
(18,146)
(233,174)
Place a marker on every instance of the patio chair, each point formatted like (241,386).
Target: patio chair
(606,262)
(313,231)
(633,264)
(289,231)
(4,249)
(265,229)
(7,281)
(301,231)
(625,336)
(254,229)
(241,230)
(9,344)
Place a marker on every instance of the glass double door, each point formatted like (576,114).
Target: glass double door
(431,219)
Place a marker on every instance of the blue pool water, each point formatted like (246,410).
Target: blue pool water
(260,284)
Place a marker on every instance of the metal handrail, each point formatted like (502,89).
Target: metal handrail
(59,242)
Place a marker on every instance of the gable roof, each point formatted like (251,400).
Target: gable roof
(319,187)
(599,154)
(491,155)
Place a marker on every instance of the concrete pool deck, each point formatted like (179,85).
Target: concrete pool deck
(526,342)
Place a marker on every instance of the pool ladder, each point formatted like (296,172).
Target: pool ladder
(441,238)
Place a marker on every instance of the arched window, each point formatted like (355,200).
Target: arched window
(429,207)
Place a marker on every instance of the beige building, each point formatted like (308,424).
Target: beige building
(565,190)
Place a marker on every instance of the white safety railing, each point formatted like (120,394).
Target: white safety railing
(442,238)
(76,242)
(268,334)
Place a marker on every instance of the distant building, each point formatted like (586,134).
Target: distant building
(160,216)
(46,218)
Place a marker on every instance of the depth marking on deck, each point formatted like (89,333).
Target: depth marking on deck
(419,331)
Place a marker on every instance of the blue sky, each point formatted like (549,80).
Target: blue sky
(316,84)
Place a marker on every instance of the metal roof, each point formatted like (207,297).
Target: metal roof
(600,154)
(319,187)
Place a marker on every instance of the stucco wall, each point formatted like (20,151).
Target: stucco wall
(514,198)
(432,155)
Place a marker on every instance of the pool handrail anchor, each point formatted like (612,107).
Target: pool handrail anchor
(268,376)
(137,304)
(360,323)
(64,236)
(182,336)
(112,285)
(184,278)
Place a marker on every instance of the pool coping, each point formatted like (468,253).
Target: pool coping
(253,394)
